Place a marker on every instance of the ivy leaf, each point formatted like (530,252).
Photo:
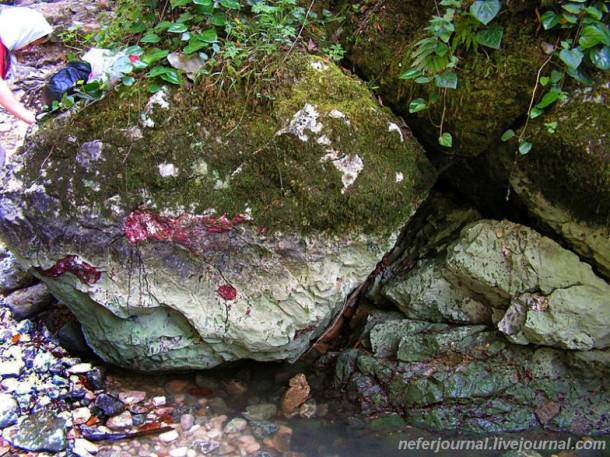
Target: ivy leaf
(128,81)
(601,58)
(593,35)
(419,104)
(158,71)
(535,112)
(556,76)
(153,55)
(219,19)
(573,8)
(178,28)
(150,37)
(202,2)
(134,50)
(580,76)
(447,79)
(485,10)
(570,18)
(171,76)
(231,4)
(525,147)
(510,133)
(550,20)
(572,58)
(594,12)
(544,80)
(410,74)
(208,36)
(548,99)
(163,26)
(424,79)
(194,46)
(139,64)
(177,3)
(445,140)
(491,37)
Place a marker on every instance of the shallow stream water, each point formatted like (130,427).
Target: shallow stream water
(341,432)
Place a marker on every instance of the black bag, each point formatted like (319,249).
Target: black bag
(64,80)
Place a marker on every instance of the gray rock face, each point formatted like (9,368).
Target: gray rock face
(9,410)
(241,243)
(12,275)
(470,378)
(25,303)
(536,291)
(42,431)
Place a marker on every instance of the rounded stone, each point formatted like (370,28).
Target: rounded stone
(9,410)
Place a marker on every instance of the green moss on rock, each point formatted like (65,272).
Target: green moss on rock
(228,152)
(494,87)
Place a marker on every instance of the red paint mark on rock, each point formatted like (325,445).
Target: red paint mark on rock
(228,292)
(74,264)
(298,333)
(220,225)
(144,225)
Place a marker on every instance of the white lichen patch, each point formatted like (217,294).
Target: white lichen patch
(167,170)
(394,128)
(134,133)
(158,99)
(400,177)
(318,66)
(350,167)
(305,119)
(200,168)
(336,114)
(323,140)
(114,203)
(174,212)
(220,183)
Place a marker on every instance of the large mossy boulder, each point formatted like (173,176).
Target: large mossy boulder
(194,227)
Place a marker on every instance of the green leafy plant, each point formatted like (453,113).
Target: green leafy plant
(233,38)
(435,57)
(585,43)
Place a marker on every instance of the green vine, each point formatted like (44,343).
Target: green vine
(435,57)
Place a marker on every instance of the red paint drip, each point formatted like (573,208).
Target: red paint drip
(298,333)
(73,264)
(228,292)
(143,225)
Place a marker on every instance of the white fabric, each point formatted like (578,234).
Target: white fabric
(21,26)
(102,61)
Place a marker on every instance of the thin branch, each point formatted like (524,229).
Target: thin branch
(300,31)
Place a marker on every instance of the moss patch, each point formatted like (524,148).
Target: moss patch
(229,153)
(493,89)
(572,166)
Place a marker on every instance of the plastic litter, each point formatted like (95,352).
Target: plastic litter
(64,81)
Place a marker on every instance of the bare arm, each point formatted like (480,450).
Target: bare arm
(14,106)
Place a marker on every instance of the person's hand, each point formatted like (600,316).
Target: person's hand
(29,117)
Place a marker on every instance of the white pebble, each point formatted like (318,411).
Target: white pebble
(168,437)
(178,452)
(80,368)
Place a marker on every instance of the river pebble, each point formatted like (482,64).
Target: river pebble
(9,410)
